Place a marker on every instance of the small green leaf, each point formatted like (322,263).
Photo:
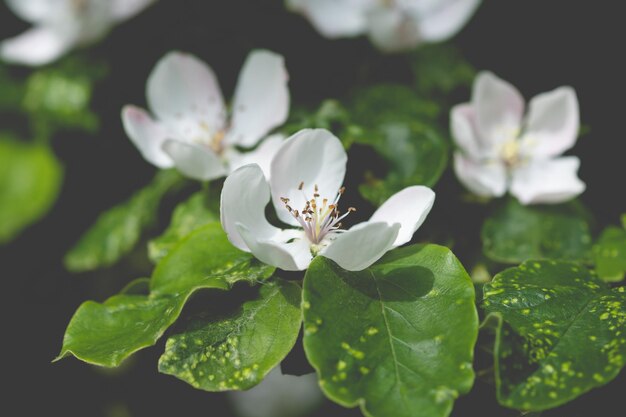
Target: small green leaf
(117,231)
(206,258)
(188,216)
(396,338)
(440,68)
(105,334)
(563,333)
(515,233)
(236,351)
(30,181)
(609,254)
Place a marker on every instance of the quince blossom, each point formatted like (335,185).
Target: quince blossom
(499,150)
(191,130)
(392,25)
(60,25)
(305,189)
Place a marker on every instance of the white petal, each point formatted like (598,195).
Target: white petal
(261,98)
(125,9)
(278,395)
(194,161)
(37,46)
(245,194)
(262,155)
(488,179)
(552,123)
(464,132)
(292,256)
(38,10)
(335,18)
(313,157)
(499,108)
(182,87)
(147,135)
(446,18)
(392,30)
(409,208)
(548,181)
(362,245)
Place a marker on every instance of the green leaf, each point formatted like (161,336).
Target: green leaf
(396,338)
(188,216)
(416,154)
(402,128)
(235,351)
(30,181)
(563,333)
(105,334)
(515,233)
(609,254)
(117,231)
(206,258)
(439,69)
(60,96)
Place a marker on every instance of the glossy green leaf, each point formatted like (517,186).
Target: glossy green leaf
(116,231)
(30,181)
(609,254)
(188,216)
(515,233)
(396,338)
(564,333)
(206,258)
(235,351)
(105,334)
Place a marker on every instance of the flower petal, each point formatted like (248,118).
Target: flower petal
(37,46)
(313,157)
(262,155)
(292,256)
(499,108)
(245,194)
(182,87)
(194,161)
(552,123)
(334,18)
(38,10)
(488,179)
(261,98)
(362,245)
(464,132)
(548,181)
(409,208)
(125,9)
(445,19)
(392,30)
(147,135)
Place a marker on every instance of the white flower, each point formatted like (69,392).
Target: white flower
(60,25)
(305,189)
(392,25)
(500,151)
(191,130)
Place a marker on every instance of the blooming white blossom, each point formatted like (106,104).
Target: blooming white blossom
(305,189)
(191,130)
(500,150)
(60,25)
(392,25)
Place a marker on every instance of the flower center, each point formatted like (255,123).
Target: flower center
(319,221)
(213,140)
(510,152)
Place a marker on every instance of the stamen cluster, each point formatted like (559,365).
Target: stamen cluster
(318,221)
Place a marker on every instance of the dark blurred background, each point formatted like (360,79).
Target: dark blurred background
(535,44)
